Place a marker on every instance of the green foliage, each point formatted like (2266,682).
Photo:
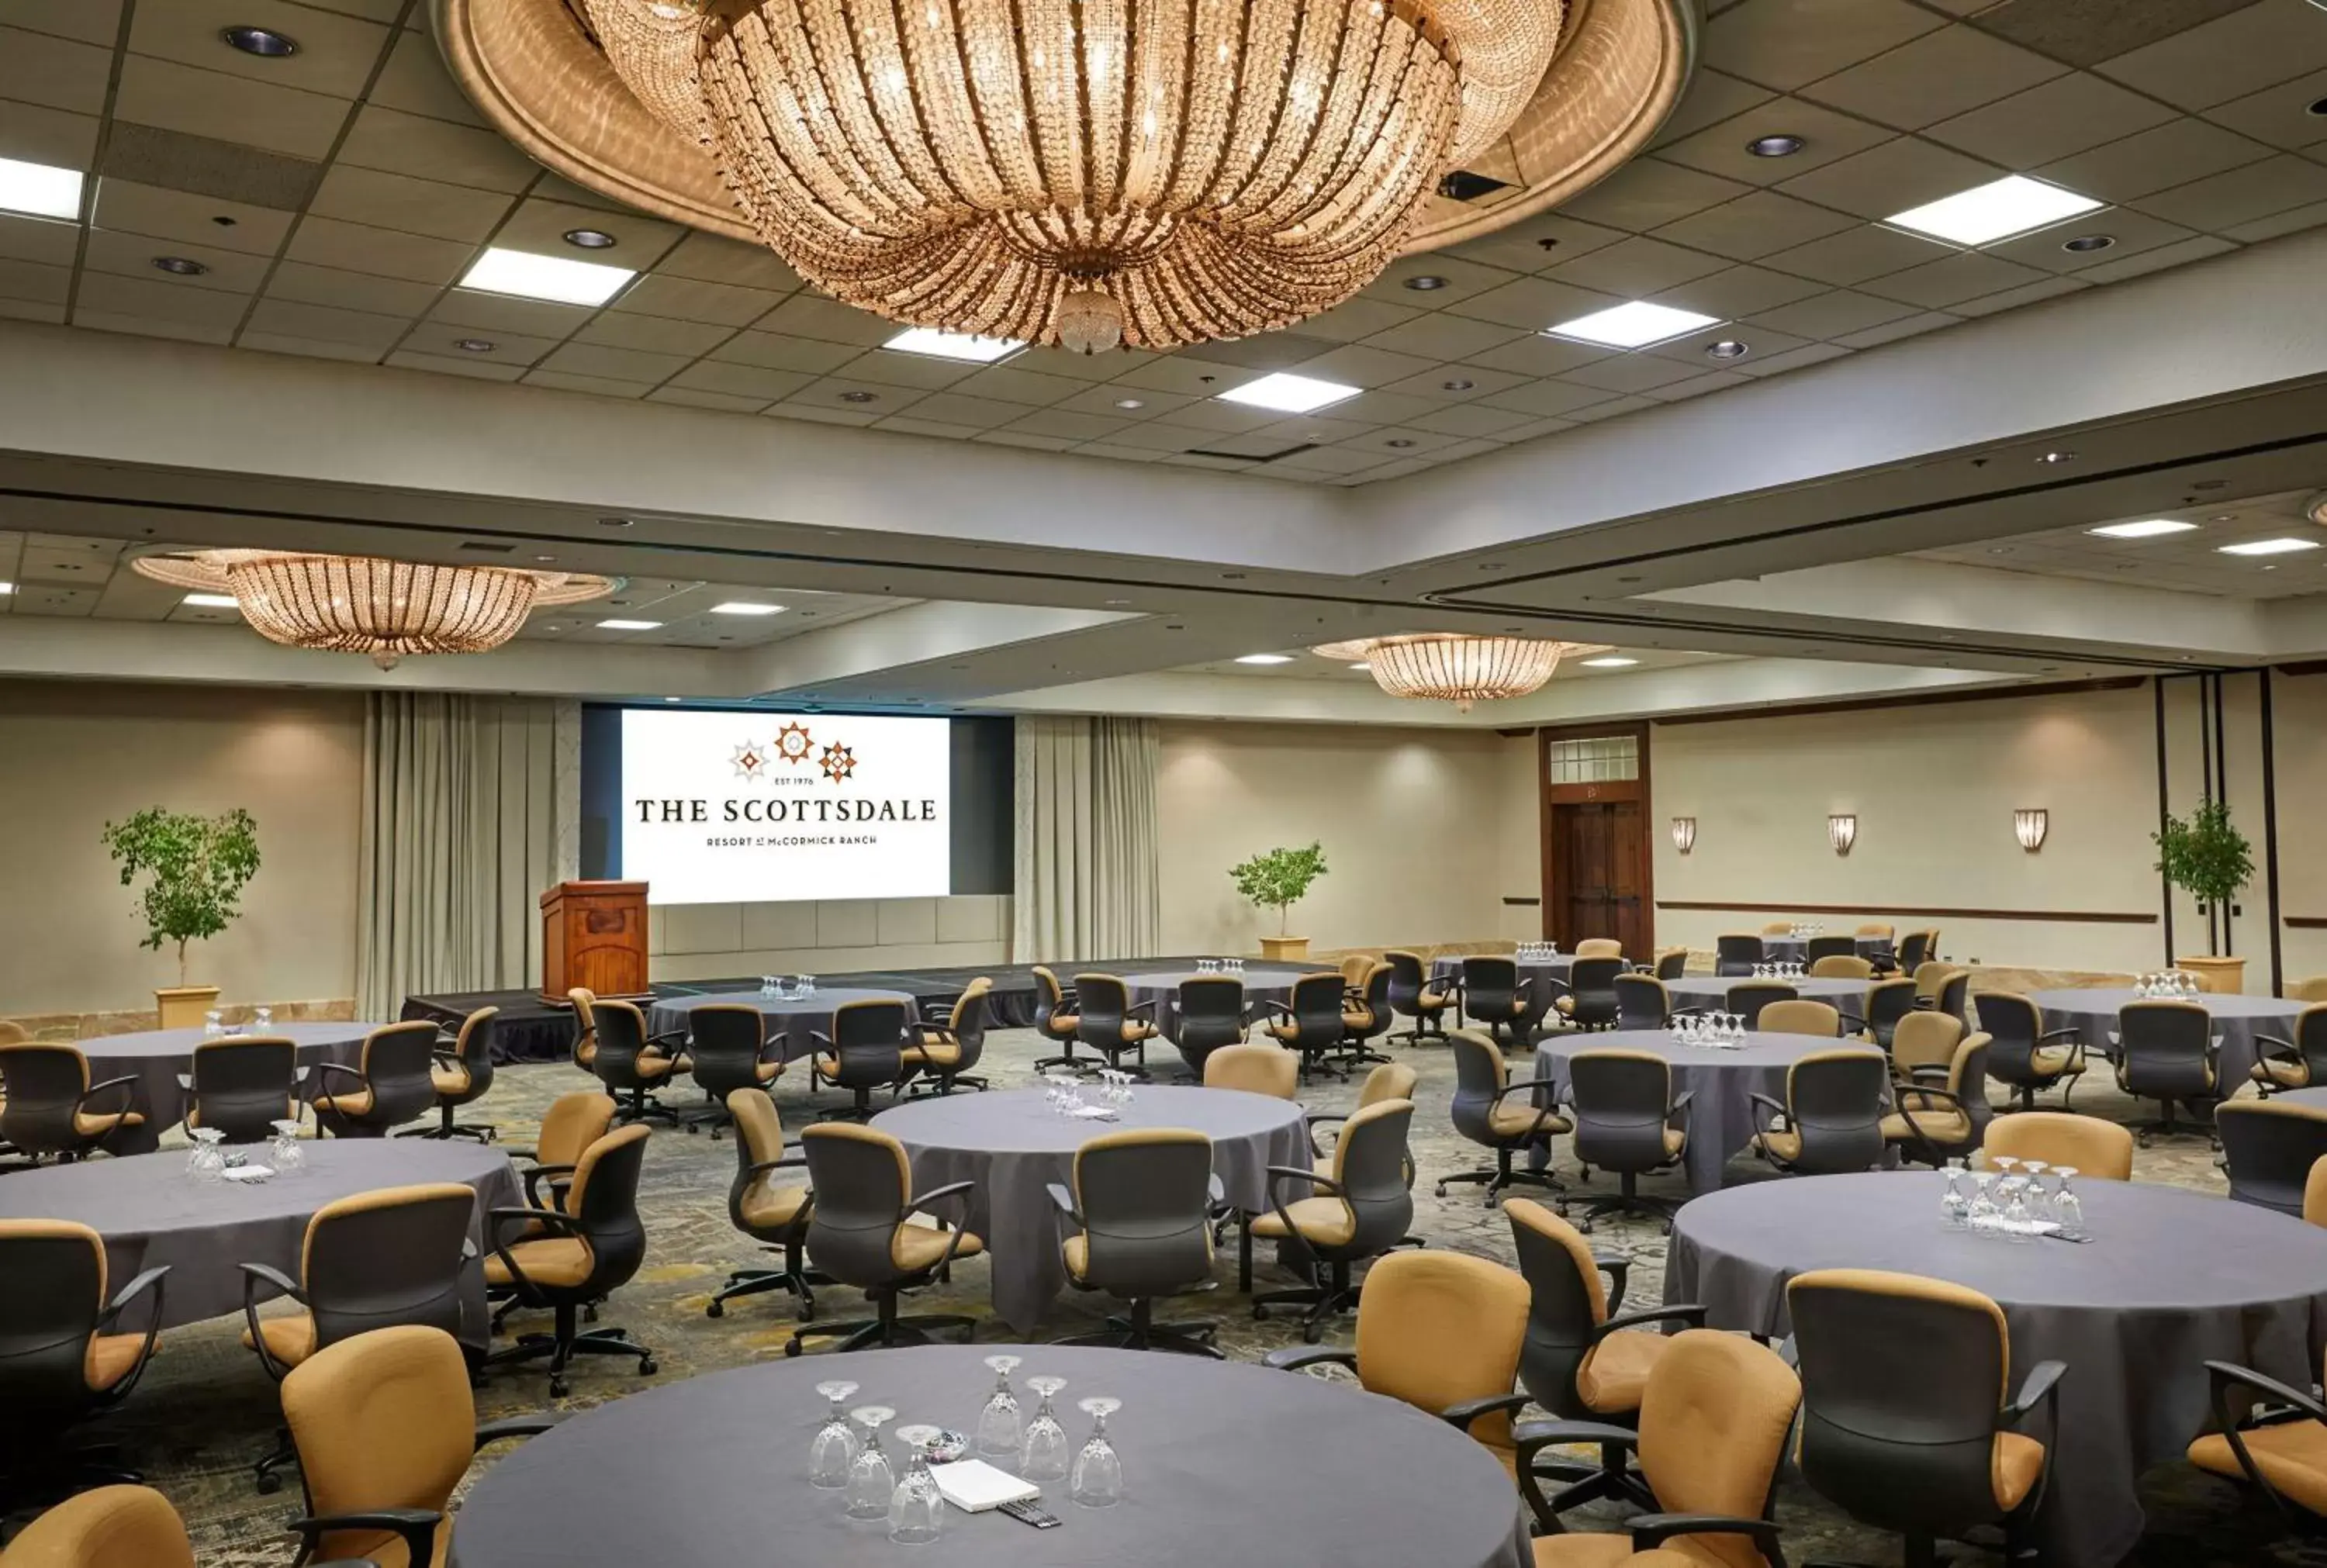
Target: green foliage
(2203,854)
(1278,878)
(195,869)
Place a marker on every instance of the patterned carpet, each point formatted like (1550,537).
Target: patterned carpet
(206,1411)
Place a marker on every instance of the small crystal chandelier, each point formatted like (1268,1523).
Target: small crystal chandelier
(1457,667)
(364,604)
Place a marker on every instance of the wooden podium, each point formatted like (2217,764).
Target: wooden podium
(593,935)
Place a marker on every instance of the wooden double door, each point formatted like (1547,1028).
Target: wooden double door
(1599,853)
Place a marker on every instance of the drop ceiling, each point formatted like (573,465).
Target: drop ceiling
(2189,562)
(1307,666)
(358,186)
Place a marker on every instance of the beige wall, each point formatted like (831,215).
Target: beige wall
(1934,787)
(79,754)
(827,937)
(1425,831)
(2299,709)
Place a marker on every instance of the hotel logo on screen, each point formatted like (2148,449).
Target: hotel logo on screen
(792,759)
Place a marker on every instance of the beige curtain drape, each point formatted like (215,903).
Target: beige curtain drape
(1086,877)
(470,810)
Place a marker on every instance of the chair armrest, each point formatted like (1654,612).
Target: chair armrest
(822,1040)
(1263,1005)
(445,1058)
(126,1083)
(510,1426)
(1294,1357)
(416,1526)
(2227,1376)
(1851,1022)
(1680,1105)
(1278,1175)
(1519,986)
(533,1178)
(1779,1112)
(340,1067)
(257,1273)
(1688,1312)
(1137,1008)
(1063,1200)
(789,1163)
(1650,1531)
(253,1275)
(1530,1438)
(961,1190)
(1316,1119)
(668,1037)
(556,1222)
(1929,1094)
(1462,1415)
(186,1081)
(2040,1388)
(151,1280)
(1933,1072)
(1619,1270)
(1216,1190)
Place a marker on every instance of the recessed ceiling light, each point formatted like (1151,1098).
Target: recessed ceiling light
(41,190)
(1457,385)
(180,266)
(940,345)
(6,588)
(739,607)
(1116,602)
(592,239)
(2086,244)
(545,277)
(2053,457)
(1288,393)
(1727,348)
(671,699)
(2147,528)
(1399,443)
(860,397)
(629,626)
(210,601)
(1998,210)
(1634,325)
(1265,659)
(2318,107)
(475,345)
(1610,661)
(1425,282)
(1778,147)
(2281,547)
(1131,402)
(265,43)
(544,560)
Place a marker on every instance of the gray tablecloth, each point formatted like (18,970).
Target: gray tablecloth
(2172,1279)
(1796,949)
(2238,1019)
(790,1020)
(1013,1145)
(151,1213)
(1262,982)
(1700,989)
(1722,1117)
(157,1056)
(1557,967)
(1223,1463)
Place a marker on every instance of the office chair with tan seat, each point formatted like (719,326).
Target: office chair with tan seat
(865,1051)
(464,1076)
(1589,998)
(1885,1003)
(1586,1358)
(1841,966)
(1820,949)
(1413,994)
(51,1110)
(1934,1454)
(1777,927)
(946,1048)
(241,1088)
(727,1049)
(394,1255)
(1832,1119)
(1923,1046)
(575,1121)
(1056,1020)
(1488,1112)
(1627,1121)
(1113,1024)
(1942,1118)
(1359,1211)
(863,1232)
(1312,1026)
(1748,997)
(1442,1332)
(2315,1195)
(1141,1204)
(1642,1002)
(2269,1148)
(773,1214)
(2298,1063)
(1671,963)
(62,1358)
(2166,1052)
(1354,967)
(2061,1140)
(1494,994)
(566,1259)
(115,1526)
(1365,1016)
(633,1064)
(1713,1420)
(1802,1015)
(393,1082)
(2271,1436)
(1881,930)
(585,1028)
(1211,1016)
(1600,948)
(1390,1081)
(1735,953)
(386,1429)
(2023,1053)
(1256,1069)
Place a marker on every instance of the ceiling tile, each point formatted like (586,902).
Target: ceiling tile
(1539,356)
(714,259)
(2085,35)
(1649,193)
(306,283)
(2281,115)
(2064,116)
(1104,401)
(407,144)
(2027,293)
(2131,231)
(425,206)
(597,385)
(153,326)
(1459,279)
(149,209)
(1446,384)
(502,313)
(134,255)
(579,358)
(308,348)
(1696,386)
(388,252)
(1796,359)
(808,315)
(38,69)
(91,21)
(834,392)
(654,334)
(975,413)
(1948,72)
(203,103)
(1358,318)
(41,136)
(1761,343)
(1857,255)
(38,240)
(740,380)
(540,226)
(335,58)
(1741,290)
(405,360)
(1968,275)
(443,340)
(2218,201)
(35,281)
(1378,408)
(291,320)
(1709,98)
(415,80)
(1610,409)
(1469,419)
(1637,267)
(1357,364)
(1892,331)
(1891,178)
(155,299)
(2173,153)
(1066,425)
(1440,336)
(688,299)
(1629,373)
(1756,226)
(1532,244)
(1826,135)
(2226,58)
(1010,384)
(775,351)
(2292,219)
(691,397)
(1784,43)
(2196,248)
(1053,360)
(1830,315)
(1531,303)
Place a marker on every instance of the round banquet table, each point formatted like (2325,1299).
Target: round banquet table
(1796,949)
(1555,967)
(1262,982)
(2238,1019)
(2315,1098)
(1849,995)
(1722,1117)
(1222,1462)
(155,1057)
(1013,1145)
(2172,1279)
(151,1213)
(791,1020)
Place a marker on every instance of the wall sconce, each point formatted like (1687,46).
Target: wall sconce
(1842,831)
(1683,832)
(2029,827)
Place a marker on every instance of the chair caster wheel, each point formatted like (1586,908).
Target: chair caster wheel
(792,1346)
(557,1390)
(270,1484)
(692,1129)
(648,1368)
(716,1309)
(1442,1189)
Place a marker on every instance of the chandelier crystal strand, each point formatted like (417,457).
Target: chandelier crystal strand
(1153,172)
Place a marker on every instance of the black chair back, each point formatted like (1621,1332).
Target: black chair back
(759,1142)
(241,1088)
(2012,1025)
(1317,1011)
(1888,1001)
(1830,948)
(1565,1303)
(1104,1005)
(1491,989)
(1591,986)
(863,1187)
(56,1270)
(392,1256)
(868,1043)
(727,1041)
(2268,1147)
(1373,997)
(622,1035)
(1052,1017)
(1408,979)
(1622,1101)
(1834,1100)
(1736,953)
(1145,1200)
(1211,1015)
(474,1046)
(44,1083)
(1955,993)
(2165,1049)
(1481,1076)
(396,1065)
(1370,1163)
(1748,999)
(604,1202)
(1642,1002)
(2310,1043)
(1914,950)
(971,1012)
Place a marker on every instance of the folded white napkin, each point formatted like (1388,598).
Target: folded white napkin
(974,1485)
(248,1172)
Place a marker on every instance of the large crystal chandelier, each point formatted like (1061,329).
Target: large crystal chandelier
(1084,172)
(1457,667)
(364,604)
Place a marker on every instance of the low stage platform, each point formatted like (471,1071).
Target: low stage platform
(531,1029)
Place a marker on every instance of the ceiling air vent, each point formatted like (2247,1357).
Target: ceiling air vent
(1252,456)
(479,547)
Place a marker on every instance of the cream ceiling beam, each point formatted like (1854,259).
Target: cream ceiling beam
(917,634)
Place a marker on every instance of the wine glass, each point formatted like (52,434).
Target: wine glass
(1982,1213)
(1099,1469)
(916,1507)
(870,1479)
(287,1158)
(207,1164)
(2068,1209)
(1955,1204)
(998,1427)
(2040,1205)
(2019,1223)
(1044,1456)
(213,1024)
(836,1447)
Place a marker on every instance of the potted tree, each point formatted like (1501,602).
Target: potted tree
(194,869)
(1277,880)
(2210,859)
